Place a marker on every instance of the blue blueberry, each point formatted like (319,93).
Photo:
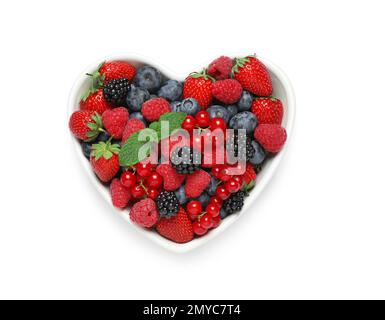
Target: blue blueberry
(139,116)
(204,199)
(189,106)
(232,110)
(223,214)
(148,78)
(86,148)
(135,98)
(244,120)
(212,186)
(103,136)
(218,112)
(245,101)
(175,106)
(259,154)
(171,90)
(181,195)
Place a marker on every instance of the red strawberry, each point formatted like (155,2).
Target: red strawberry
(177,228)
(144,213)
(94,101)
(227,91)
(85,125)
(114,121)
(253,75)
(172,180)
(249,175)
(104,160)
(220,68)
(120,194)
(272,137)
(117,69)
(199,87)
(152,109)
(196,183)
(268,110)
(133,125)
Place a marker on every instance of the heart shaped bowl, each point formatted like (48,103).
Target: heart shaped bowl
(282,90)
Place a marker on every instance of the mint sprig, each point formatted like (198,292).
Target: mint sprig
(129,153)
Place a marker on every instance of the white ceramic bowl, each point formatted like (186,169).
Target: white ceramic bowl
(282,90)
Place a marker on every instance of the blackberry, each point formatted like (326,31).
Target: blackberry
(185,160)
(116,90)
(168,204)
(234,203)
(246,152)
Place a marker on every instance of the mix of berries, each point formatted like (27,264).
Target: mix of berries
(187,189)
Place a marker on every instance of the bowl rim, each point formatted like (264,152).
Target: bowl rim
(290,109)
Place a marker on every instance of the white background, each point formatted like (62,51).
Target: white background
(318,229)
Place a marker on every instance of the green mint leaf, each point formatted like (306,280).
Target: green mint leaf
(129,153)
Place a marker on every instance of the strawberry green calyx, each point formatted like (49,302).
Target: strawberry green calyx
(240,63)
(203,74)
(96,83)
(95,127)
(105,150)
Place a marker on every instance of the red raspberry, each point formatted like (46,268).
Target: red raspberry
(114,121)
(144,213)
(272,137)
(249,175)
(227,91)
(133,125)
(152,109)
(268,110)
(172,180)
(220,68)
(196,183)
(120,194)
(178,228)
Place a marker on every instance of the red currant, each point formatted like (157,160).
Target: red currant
(128,179)
(189,123)
(143,169)
(194,207)
(213,209)
(216,221)
(203,119)
(216,200)
(216,171)
(153,193)
(238,179)
(198,229)
(138,191)
(232,185)
(223,175)
(222,192)
(206,221)
(218,123)
(154,180)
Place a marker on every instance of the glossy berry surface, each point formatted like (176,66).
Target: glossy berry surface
(206,221)
(203,119)
(222,192)
(143,169)
(218,123)
(213,210)
(194,207)
(138,191)
(232,185)
(154,180)
(128,179)
(198,229)
(189,123)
